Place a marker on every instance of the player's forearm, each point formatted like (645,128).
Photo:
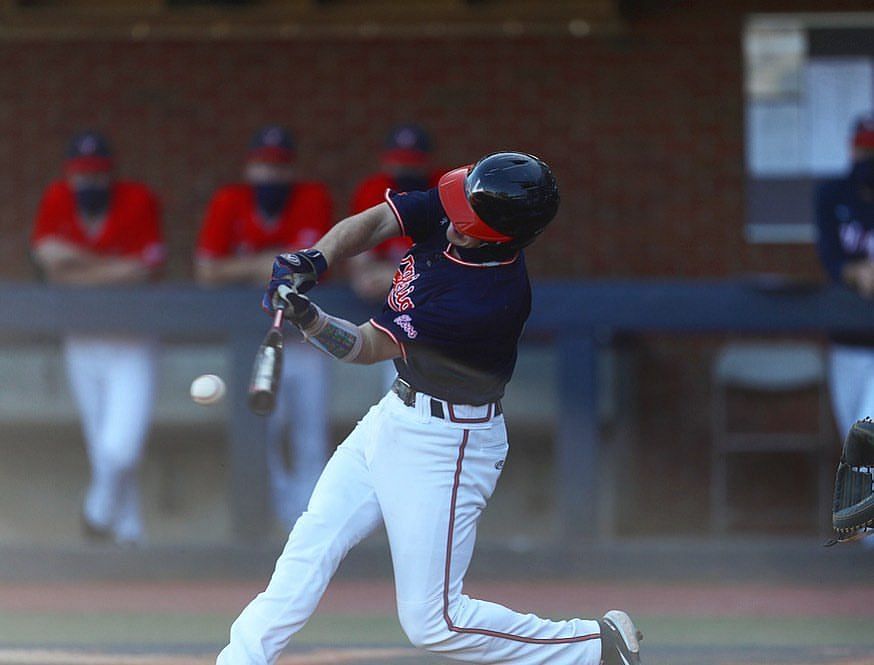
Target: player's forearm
(339,338)
(54,255)
(358,233)
(65,263)
(105,271)
(235,270)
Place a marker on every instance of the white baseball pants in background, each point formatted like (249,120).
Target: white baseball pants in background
(428,479)
(851,383)
(297,431)
(113,383)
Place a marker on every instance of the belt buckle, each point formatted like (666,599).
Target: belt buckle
(405,392)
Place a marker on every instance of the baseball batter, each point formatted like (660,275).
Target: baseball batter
(245,225)
(425,460)
(92,229)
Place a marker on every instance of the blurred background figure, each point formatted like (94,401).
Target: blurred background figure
(91,230)
(845,218)
(405,166)
(245,226)
(845,242)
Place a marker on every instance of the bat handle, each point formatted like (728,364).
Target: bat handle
(277,317)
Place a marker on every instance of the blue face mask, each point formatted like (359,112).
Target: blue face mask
(863,172)
(271,197)
(92,200)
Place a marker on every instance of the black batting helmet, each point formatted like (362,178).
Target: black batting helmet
(506,198)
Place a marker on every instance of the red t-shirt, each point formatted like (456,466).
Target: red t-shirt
(132,227)
(233,226)
(371,192)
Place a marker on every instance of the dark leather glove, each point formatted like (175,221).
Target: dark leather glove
(853,508)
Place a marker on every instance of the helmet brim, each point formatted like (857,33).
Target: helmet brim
(453,196)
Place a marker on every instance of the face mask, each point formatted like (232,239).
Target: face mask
(411,183)
(271,197)
(92,200)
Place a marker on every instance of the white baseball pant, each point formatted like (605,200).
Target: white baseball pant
(428,479)
(113,383)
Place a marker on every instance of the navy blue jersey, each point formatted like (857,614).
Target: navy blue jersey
(457,321)
(845,225)
(845,232)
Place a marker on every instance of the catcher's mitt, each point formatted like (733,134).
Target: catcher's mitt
(853,508)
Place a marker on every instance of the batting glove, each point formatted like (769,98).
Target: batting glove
(301,270)
(296,308)
(297,271)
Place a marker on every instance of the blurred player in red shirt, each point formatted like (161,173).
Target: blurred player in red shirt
(405,167)
(91,230)
(246,225)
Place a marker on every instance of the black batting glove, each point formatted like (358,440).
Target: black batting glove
(296,308)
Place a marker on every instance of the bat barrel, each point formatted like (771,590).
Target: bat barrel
(262,402)
(266,373)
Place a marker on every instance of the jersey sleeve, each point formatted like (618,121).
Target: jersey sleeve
(828,243)
(369,193)
(52,216)
(153,250)
(419,214)
(321,216)
(216,237)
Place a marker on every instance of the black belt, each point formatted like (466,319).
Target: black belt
(408,396)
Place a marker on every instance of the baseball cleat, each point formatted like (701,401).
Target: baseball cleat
(620,639)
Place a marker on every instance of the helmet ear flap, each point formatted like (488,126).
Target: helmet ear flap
(453,192)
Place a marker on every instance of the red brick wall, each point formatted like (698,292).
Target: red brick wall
(644,129)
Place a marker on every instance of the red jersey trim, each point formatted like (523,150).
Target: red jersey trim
(395,211)
(446,574)
(393,338)
(490,264)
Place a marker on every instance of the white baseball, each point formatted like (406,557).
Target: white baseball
(207,389)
